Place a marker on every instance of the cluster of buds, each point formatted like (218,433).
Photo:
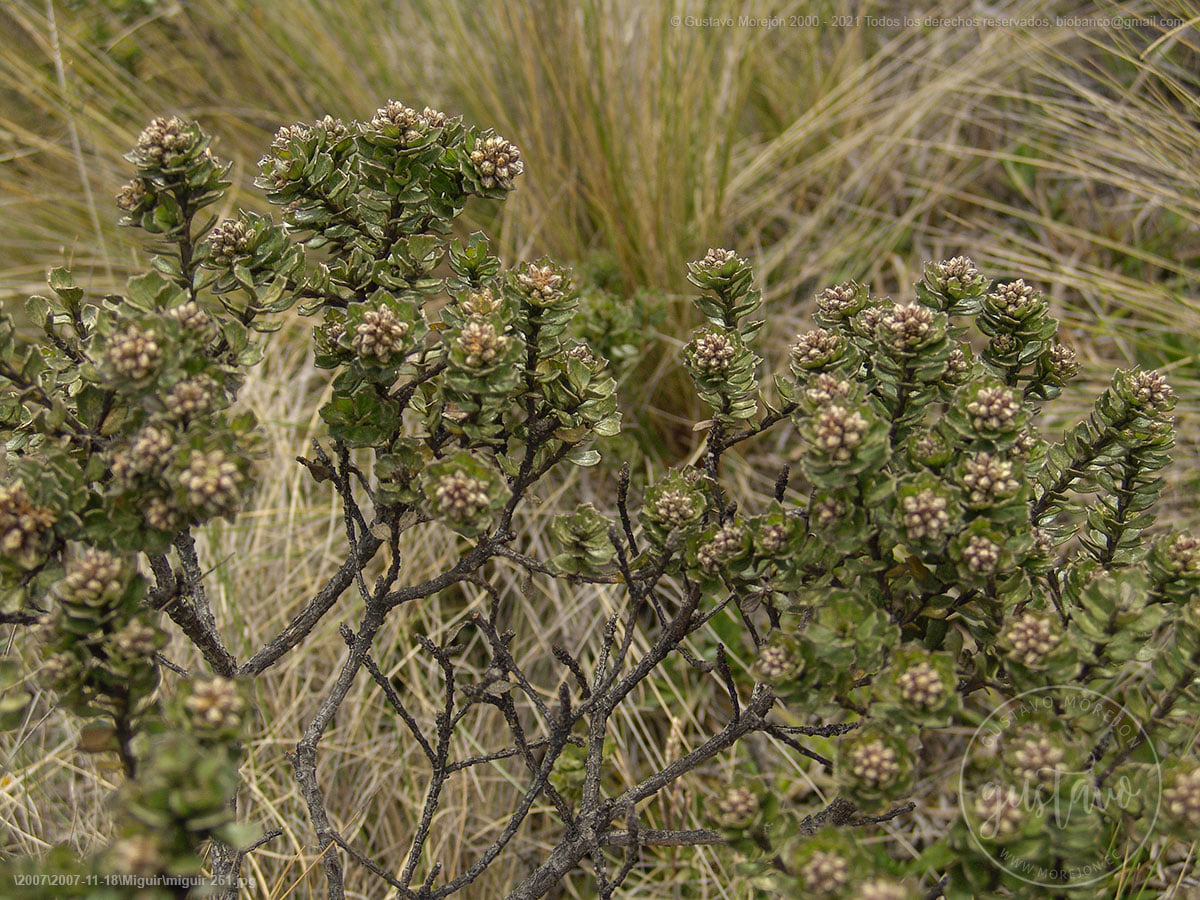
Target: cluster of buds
(826,388)
(24,527)
(211,481)
(146,454)
(717,258)
(840,302)
(1182,799)
(1014,300)
(981,555)
(737,808)
(1031,637)
(479,341)
(724,546)
(497,162)
(907,326)
(817,349)
(162,515)
(958,367)
(825,511)
(1183,555)
(163,140)
(712,352)
(541,284)
(380,334)
(957,278)
(1037,759)
(925,514)
(215,705)
(777,661)
(409,125)
(480,304)
(838,431)
(998,810)
(988,479)
(993,409)
(675,508)
(131,196)
(137,640)
(190,397)
(921,686)
(773,537)
(334,129)
(191,317)
(460,496)
(1061,363)
(1150,390)
(228,242)
(135,353)
(93,577)
(874,763)
(825,874)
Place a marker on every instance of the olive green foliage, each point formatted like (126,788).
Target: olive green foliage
(928,558)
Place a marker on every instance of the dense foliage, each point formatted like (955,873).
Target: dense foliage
(933,590)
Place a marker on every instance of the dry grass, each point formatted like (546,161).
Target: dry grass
(1066,157)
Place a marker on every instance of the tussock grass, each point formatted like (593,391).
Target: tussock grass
(1067,157)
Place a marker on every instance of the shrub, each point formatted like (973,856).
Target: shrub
(932,589)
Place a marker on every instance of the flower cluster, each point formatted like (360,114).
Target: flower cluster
(993,409)
(24,526)
(1031,637)
(497,161)
(712,351)
(215,705)
(921,685)
(228,242)
(135,353)
(460,496)
(380,334)
(542,284)
(988,479)
(163,140)
(998,810)
(480,343)
(212,481)
(925,514)
(838,431)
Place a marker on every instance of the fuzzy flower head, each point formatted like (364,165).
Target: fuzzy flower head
(958,367)
(840,301)
(1061,363)
(957,278)
(1150,390)
(480,344)
(496,162)
(778,660)
(826,388)
(163,141)
(874,763)
(817,349)
(921,686)
(162,515)
(1181,800)
(837,431)
(215,704)
(737,808)
(137,640)
(675,508)
(718,257)
(1183,554)
(993,409)
(135,353)
(712,352)
(988,479)
(380,334)
(724,546)
(1014,300)
(1031,638)
(407,125)
(211,481)
(998,811)
(131,196)
(228,242)
(24,526)
(480,304)
(981,555)
(907,326)
(460,496)
(190,397)
(541,284)
(925,514)
(825,874)
(191,317)
(1037,759)
(94,577)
